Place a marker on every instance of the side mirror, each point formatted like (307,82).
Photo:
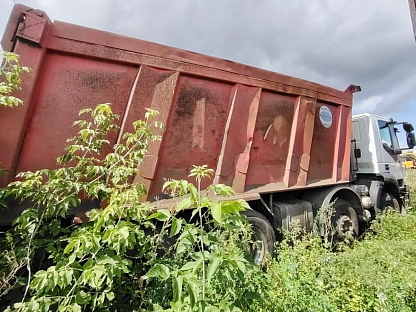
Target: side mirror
(410,137)
(408,127)
(397,151)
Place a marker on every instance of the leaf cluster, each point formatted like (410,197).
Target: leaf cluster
(10,78)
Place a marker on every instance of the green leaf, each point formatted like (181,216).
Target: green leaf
(216,212)
(176,307)
(159,271)
(176,226)
(107,234)
(194,192)
(70,308)
(183,245)
(184,203)
(223,190)
(234,207)
(195,211)
(40,281)
(238,262)
(69,247)
(82,297)
(157,308)
(110,295)
(191,265)
(243,204)
(177,288)
(161,215)
(212,267)
(193,291)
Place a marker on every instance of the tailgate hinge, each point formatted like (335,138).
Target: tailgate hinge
(32,26)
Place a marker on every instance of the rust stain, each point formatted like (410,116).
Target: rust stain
(280,129)
(198,127)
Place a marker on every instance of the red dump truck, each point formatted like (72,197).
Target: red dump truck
(287,146)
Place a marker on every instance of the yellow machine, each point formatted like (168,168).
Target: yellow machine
(408,162)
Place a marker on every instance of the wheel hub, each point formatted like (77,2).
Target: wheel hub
(344,225)
(257,248)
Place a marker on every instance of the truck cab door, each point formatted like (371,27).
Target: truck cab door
(388,162)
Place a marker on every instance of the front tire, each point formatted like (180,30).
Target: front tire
(344,220)
(263,236)
(388,201)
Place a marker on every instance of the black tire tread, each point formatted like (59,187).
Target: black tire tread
(388,198)
(257,219)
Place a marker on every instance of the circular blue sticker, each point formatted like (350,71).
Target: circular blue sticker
(325,116)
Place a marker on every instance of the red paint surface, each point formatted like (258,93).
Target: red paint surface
(260,131)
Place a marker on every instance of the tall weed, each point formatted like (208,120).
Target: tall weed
(377,274)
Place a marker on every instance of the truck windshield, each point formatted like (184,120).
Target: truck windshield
(394,136)
(388,134)
(385,133)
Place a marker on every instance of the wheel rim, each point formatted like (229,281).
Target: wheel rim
(344,225)
(257,248)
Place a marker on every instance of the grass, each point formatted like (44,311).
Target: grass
(377,273)
(411,180)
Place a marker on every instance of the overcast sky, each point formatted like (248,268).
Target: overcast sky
(334,42)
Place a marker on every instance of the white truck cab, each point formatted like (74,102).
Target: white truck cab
(375,156)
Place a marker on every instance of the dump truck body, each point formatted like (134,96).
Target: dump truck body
(260,131)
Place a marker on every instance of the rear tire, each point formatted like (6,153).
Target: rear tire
(263,236)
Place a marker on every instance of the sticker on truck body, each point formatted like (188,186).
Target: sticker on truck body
(325,116)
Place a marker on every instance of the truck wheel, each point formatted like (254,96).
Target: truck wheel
(388,201)
(345,220)
(263,236)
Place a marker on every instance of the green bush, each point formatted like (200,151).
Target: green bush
(89,266)
(376,274)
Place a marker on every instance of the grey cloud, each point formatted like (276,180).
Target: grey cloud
(331,42)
